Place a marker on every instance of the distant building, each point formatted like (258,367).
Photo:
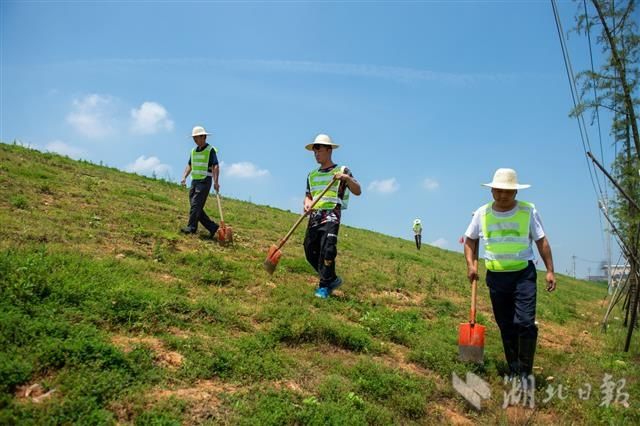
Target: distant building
(597,278)
(618,272)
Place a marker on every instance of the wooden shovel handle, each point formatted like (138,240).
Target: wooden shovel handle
(474,286)
(219,207)
(474,291)
(302,216)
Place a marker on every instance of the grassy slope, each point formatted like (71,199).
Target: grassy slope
(102,300)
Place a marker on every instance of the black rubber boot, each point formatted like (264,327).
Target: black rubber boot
(511,355)
(527,350)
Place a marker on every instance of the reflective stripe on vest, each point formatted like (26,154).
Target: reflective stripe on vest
(200,163)
(318,181)
(507,242)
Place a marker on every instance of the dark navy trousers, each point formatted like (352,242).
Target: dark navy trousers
(198,195)
(513,297)
(321,249)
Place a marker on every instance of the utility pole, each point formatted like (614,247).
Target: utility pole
(573,258)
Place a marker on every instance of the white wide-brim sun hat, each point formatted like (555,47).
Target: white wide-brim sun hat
(199,131)
(321,140)
(506,179)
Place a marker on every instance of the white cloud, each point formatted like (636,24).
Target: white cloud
(64,149)
(244,170)
(150,118)
(149,166)
(386,186)
(91,116)
(430,184)
(440,242)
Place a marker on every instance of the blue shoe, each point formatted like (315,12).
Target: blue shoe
(322,293)
(334,284)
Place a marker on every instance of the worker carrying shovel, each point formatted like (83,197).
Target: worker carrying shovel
(507,227)
(417,230)
(204,170)
(321,239)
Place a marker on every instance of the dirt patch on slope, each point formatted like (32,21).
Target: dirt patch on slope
(163,356)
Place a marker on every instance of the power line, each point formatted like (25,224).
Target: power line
(574,96)
(595,89)
(584,136)
(587,260)
(605,235)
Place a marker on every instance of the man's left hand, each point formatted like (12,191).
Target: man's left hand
(341,176)
(216,187)
(551,281)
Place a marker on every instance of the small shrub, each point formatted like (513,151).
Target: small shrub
(400,391)
(320,328)
(25,279)
(13,371)
(19,202)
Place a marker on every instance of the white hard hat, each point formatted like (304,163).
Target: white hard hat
(199,131)
(321,140)
(415,222)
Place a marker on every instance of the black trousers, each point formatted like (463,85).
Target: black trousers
(321,249)
(418,238)
(198,195)
(513,297)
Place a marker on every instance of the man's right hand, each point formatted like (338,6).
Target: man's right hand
(472,273)
(183,182)
(307,204)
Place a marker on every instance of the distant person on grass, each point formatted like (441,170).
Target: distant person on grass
(417,230)
(203,167)
(507,227)
(321,239)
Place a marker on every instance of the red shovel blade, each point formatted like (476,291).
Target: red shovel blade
(273,257)
(471,342)
(224,234)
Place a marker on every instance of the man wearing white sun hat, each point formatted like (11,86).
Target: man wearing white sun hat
(321,239)
(507,227)
(417,230)
(203,167)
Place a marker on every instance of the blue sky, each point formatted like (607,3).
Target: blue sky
(426,99)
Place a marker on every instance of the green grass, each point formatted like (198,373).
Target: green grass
(130,322)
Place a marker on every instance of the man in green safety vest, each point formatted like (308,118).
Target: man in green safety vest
(321,239)
(417,230)
(203,166)
(507,227)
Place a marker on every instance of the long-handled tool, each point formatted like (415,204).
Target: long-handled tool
(471,334)
(274,254)
(225,233)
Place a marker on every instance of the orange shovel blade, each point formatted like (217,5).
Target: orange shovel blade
(225,234)
(228,234)
(220,234)
(273,257)
(471,342)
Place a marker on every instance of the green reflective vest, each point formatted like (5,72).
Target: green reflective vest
(507,242)
(200,163)
(318,181)
(417,228)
